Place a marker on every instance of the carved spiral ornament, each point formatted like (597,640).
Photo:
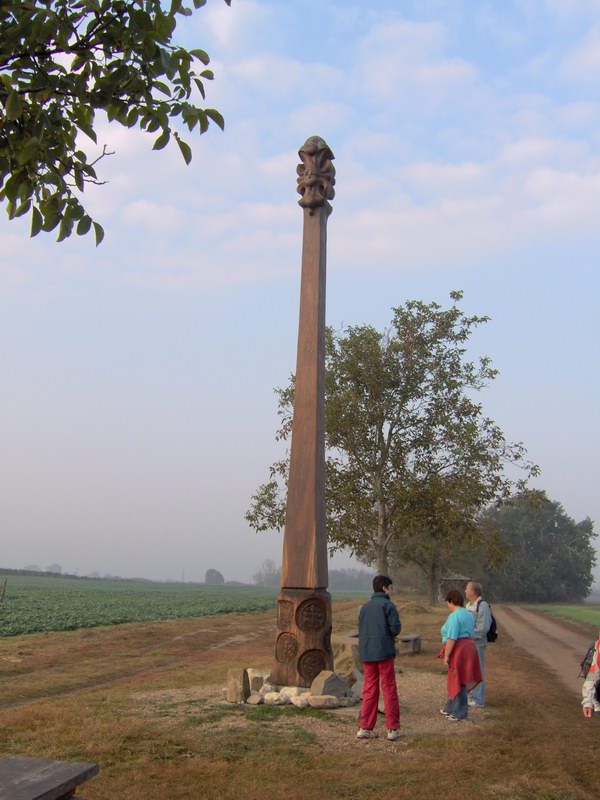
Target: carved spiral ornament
(316,174)
(311,615)
(286,648)
(310,664)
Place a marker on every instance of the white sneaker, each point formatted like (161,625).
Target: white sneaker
(474,704)
(363,733)
(393,735)
(444,712)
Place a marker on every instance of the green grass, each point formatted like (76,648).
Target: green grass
(35,604)
(589,614)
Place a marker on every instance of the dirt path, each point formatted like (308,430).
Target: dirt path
(559,646)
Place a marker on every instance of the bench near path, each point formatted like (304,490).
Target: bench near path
(39,779)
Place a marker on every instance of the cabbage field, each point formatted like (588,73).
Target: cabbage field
(43,603)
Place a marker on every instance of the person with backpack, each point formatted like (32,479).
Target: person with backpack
(591,685)
(483,622)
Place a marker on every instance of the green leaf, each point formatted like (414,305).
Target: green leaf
(162,140)
(23,208)
(86,128)
(203,120)
(13,107)
(36,222)
(162,87)
(99,231)
(186,150)
(28,150)
(216,117)
(200,86)
(201,55)
(66,226)
(51,220)
(83,226)
(78,174)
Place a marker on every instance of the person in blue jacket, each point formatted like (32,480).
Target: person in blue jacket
(378,626)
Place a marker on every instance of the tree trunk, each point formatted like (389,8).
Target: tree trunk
(383,561)
(432,584)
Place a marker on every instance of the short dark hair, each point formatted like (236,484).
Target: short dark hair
(381,582)
(455,597)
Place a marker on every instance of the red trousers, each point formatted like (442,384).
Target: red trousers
(374,672)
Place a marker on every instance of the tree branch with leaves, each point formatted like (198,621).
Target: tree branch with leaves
(62,62)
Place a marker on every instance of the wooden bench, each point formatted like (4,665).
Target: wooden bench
(409,644)
(39,779)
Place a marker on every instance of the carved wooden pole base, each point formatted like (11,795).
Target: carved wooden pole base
(303,646)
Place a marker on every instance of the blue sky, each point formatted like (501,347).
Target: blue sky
(137,411)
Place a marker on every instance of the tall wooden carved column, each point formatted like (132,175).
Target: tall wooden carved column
(303,646)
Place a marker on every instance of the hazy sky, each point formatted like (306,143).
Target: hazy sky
(137,413)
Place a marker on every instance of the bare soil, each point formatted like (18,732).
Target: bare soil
(558,644)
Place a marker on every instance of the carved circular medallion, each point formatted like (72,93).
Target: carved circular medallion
(311,615)
(285,614)
(286,648)
(310,664)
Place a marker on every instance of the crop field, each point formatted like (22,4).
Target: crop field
(42,603)
(588,613)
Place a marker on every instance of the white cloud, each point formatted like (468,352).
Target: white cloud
(583,62)
(445,178)
(565,200)
(279,76)
(322,118)
(534,150)
(230,26)
(403,57)
(579,114)
(162,218)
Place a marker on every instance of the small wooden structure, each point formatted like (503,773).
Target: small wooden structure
(451,581)
(39,779)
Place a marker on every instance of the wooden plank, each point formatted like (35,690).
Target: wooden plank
(24,778)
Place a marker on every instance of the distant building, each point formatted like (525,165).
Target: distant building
(453,581)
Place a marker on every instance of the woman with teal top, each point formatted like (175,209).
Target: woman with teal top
(460,656)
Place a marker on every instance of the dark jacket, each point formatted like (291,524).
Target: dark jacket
(378,625)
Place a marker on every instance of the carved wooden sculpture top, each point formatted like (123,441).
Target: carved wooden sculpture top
(316,174)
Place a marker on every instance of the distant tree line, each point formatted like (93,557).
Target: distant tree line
(347,579)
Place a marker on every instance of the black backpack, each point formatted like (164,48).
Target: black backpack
(492,633)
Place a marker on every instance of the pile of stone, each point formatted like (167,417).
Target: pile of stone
(328,690)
